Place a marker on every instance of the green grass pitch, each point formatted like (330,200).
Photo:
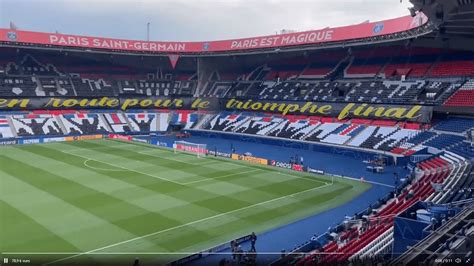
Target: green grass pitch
(100,199)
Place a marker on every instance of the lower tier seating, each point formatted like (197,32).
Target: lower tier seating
(32,125)
(370,236)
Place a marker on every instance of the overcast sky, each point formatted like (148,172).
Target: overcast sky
(191,20)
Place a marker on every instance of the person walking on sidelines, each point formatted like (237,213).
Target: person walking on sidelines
(253,239)
(240,254)
(233,248)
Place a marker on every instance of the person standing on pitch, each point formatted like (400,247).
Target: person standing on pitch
(253,239)
(233,248)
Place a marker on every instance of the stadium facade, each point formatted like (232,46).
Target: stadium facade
(391,96)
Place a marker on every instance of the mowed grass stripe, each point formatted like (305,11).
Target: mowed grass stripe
(161,153)
(19,232)
(118,212)
(205,199)
(68,222)
(257,219)
(273,179)
(201,198)
(236,197)
(220,203)
(152,201)
(176,170)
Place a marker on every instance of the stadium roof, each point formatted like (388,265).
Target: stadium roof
(452,20)
(388,29)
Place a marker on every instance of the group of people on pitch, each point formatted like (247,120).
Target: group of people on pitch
(239,256)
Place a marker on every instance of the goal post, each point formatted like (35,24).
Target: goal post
(188,147)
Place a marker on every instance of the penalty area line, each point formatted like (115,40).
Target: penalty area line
(122,167)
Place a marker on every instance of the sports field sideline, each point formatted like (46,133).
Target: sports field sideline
(63,202)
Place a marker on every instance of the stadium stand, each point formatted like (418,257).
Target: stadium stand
(35,125)
(451,242)
(436,150)
(462,97)
(84,123)
(143,122)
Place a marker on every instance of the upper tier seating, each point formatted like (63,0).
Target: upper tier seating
(388,91)
(462,97)
(453,68)
(18,86)
(301,78)
(46,75)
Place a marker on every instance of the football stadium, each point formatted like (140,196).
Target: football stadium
(348,145)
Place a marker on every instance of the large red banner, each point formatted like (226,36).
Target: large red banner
(359,31)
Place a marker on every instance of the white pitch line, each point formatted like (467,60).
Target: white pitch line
(187,224)
(166,157)
(366,181)
(96,148)
(303,177)
(101,169)
(149,152)
(219,177)
(125,168)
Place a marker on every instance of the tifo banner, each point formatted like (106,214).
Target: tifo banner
(122,103)
(359,31)
(341,111)
(417,113)
(251,159)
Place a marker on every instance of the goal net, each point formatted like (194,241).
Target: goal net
(188,147)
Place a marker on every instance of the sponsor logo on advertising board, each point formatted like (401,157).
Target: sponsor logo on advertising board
(120,137)
(220,154)
(29,141)
(140,140)
(8,142)
(194,149)
(315,171)
(281,164)
(57,139)
(250,159)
